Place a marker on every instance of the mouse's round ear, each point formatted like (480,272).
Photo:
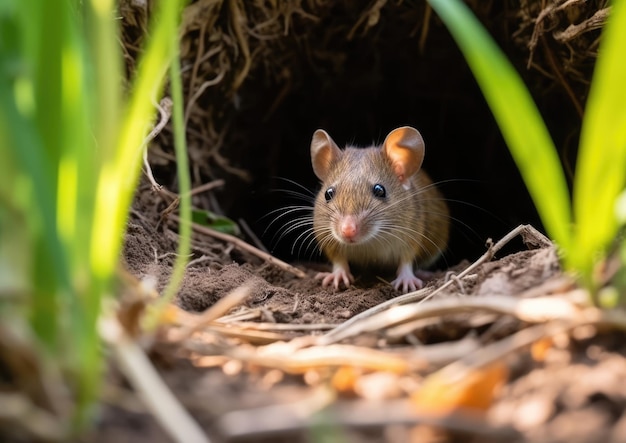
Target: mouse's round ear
(404,147)
(324,152)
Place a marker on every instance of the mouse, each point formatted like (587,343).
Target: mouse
(377,208)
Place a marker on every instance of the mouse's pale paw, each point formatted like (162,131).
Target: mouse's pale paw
(406,280)
(409,284)
(338,276)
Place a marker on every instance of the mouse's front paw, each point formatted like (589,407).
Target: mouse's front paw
(409,284)
(406,280)
(338,276)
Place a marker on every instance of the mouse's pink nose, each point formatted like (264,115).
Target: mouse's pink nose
(349,228)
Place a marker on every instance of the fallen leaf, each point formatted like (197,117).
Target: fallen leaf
(172,315)
(540,348)
(444,392)
(345,379)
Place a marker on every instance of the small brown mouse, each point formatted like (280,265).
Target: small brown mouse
(377,208)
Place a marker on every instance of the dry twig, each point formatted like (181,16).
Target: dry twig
(246,247)
(596,21)
(225,304)
(151,388)
(289,418)
(534,310)
(292,357)
(530,235)
(283,326)
(28,420)
(165,111)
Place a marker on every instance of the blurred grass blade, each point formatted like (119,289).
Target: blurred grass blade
(70,150)
(119,174)
(601,164)
(184,187)
(104,37)
(184,183)
(121,164)
(27,170)
(31,195)
(518,118)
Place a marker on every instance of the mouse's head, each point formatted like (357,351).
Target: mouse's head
(363,188)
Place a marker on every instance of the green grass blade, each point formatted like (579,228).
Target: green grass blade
(119,175)
(104,37)
(601,164)
(39,210)
(92,84)
(19,134)
(47,70)
(517,116)
(184,182)
(71,163)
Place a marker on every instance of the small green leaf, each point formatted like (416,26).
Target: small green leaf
(214,221)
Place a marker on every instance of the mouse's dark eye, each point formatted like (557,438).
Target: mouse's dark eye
(379,191)
(329,194)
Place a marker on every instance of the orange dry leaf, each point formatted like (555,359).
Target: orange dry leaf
(171,315)
(345,379)
(444,393)
(540,348)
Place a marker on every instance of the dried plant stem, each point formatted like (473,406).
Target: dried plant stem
(250,233)
(428,12)
(283,326)
(156,395)
(237,17)
(218,78)
(293,358)
(165,111)
(32,422)
(424,294)
(495,351)
(284,420)
(202,188)
(225,304)
(560,76)
(534,310)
